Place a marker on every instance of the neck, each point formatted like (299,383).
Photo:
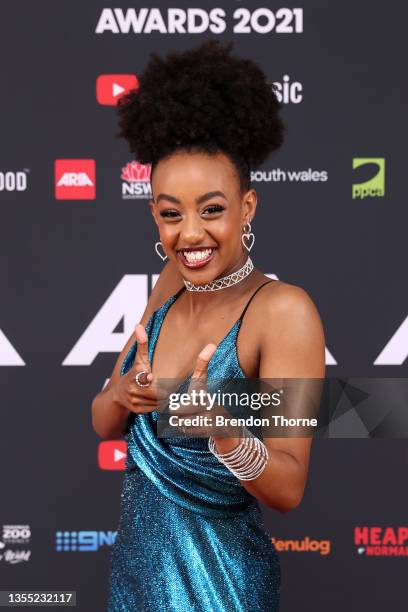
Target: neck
(216,293)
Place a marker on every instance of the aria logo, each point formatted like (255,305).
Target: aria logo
(375,186)
(136,181)
(74,179)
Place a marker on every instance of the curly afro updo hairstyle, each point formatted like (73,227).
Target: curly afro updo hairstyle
(203,100)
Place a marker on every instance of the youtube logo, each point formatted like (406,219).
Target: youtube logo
(74,179)
(112,454)
(110,87)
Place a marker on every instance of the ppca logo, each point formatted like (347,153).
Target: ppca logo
(375,186)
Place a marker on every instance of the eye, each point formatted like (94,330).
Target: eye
(169,213)
(214,208)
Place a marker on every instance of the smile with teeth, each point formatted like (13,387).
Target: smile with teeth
(193,256)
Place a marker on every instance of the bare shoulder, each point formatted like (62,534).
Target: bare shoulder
(290,332)
(280,298)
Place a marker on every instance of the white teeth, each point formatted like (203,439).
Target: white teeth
(192,256)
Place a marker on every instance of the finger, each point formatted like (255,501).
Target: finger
(142,354)
(203,360)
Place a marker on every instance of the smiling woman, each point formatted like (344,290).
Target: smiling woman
(191,534)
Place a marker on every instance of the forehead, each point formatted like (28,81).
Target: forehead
(193,174)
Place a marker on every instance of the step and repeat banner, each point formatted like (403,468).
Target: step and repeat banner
(78,263)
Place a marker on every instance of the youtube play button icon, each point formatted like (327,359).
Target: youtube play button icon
(111,87)
(112,455)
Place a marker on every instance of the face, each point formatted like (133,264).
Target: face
(200,212)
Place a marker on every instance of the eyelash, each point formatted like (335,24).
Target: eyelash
(165,213)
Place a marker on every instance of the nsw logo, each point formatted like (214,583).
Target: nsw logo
(374,187)
(136,181)
(75,179)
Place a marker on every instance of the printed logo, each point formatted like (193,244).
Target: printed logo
(14,535)
(305,545)
(83,541)
(375,186)
(277,175)
(288,92)
(75,179)
(381,541)
(13,181)
(136,181)
(111,87)
(112,455)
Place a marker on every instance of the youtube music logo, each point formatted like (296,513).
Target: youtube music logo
(112,455)
(110,87)
(74,179)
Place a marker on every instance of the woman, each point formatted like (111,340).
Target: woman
(190,534)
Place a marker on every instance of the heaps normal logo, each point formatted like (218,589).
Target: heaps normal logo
(111,87)
(375,186)
(136,181)
(75,179)
(13,181)
(381,541)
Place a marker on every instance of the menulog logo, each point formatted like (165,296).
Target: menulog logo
(74,179)
(305,545)
(381,541)
(136,181)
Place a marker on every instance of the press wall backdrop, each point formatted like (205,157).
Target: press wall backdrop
(78,263)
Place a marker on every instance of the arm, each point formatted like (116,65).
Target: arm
(109,418)
(292,345)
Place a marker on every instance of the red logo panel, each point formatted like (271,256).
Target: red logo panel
(111,87)
(75,179)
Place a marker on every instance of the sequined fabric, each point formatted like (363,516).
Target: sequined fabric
(190,537)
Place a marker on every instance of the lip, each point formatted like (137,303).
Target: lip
(195,264)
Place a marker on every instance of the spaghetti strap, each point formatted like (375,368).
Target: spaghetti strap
(252,297)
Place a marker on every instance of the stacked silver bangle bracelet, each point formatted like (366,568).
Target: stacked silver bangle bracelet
(247,461)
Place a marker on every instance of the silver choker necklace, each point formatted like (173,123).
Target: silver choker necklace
(225,281)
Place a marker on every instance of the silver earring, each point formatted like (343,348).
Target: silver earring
(248,236)
(156,246)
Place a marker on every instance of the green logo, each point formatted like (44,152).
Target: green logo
(374,187)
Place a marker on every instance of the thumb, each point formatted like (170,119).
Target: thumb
(203,360)
(142,361)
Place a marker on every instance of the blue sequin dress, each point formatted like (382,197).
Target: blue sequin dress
(190,537)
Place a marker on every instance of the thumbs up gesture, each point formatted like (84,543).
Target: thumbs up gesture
(128,392)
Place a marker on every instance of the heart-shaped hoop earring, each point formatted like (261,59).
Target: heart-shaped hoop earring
(248,236)
(157,246)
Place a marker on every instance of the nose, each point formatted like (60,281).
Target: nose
(192,230)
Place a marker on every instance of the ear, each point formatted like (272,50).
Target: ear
(153,211)
(249,205)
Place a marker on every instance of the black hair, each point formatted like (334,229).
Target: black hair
(205,100)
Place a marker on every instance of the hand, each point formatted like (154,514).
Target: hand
(199,408)
(127,392)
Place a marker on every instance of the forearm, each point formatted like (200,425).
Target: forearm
(281,483)
(108,417)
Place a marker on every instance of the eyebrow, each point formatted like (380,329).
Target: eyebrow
(199,200)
